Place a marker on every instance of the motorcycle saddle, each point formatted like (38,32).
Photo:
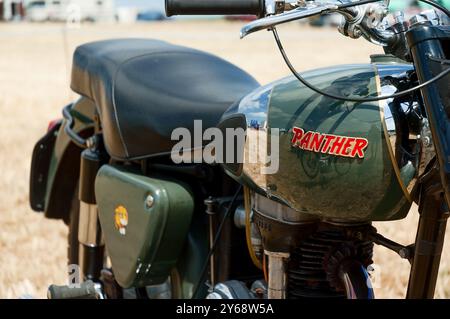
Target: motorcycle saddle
(144,89)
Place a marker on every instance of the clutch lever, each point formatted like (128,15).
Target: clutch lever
(295,14)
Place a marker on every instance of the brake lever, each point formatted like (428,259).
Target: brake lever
(295,14)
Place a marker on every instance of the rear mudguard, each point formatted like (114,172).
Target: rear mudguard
(55,166)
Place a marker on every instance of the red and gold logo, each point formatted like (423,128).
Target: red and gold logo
(329,143)
(121,219)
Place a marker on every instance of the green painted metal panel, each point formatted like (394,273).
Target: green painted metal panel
(146,245)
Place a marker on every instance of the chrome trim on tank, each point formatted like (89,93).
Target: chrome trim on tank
(255,107)
(390,132)
(390,124)
(408,166)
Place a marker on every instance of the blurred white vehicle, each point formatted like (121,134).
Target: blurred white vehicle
(37,11)
(127,15)
(64,10)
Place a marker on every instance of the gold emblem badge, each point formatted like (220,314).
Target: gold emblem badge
(121,219)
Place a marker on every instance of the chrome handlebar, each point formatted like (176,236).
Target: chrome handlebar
(297,13)
(363,20)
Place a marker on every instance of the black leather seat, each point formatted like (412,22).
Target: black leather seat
(144,89)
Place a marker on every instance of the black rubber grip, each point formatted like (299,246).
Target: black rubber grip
(212,7)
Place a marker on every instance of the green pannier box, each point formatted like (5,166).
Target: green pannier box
(145,222)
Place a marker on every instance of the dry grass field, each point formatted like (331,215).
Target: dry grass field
(34,85)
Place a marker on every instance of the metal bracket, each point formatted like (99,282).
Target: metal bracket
(405,252)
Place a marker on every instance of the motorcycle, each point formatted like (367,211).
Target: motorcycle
(153,216)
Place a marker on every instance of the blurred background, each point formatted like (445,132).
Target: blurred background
(37,40)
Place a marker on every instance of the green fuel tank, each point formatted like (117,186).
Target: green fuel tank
(335,160)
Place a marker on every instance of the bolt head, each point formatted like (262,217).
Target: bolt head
(403,253)
(149,201)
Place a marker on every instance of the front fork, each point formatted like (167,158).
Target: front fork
(90,237)
(426,43)
(429,242)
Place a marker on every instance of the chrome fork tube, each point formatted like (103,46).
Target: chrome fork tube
(89,230)
(91,243)
(90,237)
(277,275)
